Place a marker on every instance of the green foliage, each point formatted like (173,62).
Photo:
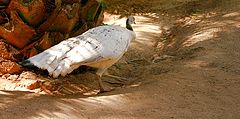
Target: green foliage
(103,4)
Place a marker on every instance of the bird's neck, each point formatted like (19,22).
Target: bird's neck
(128,25)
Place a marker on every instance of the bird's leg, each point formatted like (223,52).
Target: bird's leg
(118,79)
(102,87)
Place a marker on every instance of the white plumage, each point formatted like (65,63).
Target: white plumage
(99,47)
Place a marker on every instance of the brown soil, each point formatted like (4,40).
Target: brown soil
(184,64)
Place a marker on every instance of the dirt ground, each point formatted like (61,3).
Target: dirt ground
(184,64)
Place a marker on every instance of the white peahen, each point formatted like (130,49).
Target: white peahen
(99,47)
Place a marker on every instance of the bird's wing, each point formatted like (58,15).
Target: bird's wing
(94,46)
(62,56)
(114,39)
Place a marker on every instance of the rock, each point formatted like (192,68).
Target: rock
(7,64)
(31,12)
(13,32)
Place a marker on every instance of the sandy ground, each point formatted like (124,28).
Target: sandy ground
(183,65)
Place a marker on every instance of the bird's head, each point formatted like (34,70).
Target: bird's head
(131,20)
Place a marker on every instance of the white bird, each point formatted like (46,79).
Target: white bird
(99,47)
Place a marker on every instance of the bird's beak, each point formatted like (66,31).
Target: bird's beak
(134,22)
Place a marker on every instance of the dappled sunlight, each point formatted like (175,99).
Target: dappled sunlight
(14,83)
(110,19)
(233,14)
(103,107)
(196,64)
(147,28)
(233,19)
(211,29)
(147,32)
(13,100)
(143,31)
(113,101)
(202,36)
(61,110)
(4,100)
(5,93)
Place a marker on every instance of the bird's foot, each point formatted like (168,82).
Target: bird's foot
(104,88)
(118,80)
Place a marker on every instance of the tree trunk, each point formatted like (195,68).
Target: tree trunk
(28,27)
